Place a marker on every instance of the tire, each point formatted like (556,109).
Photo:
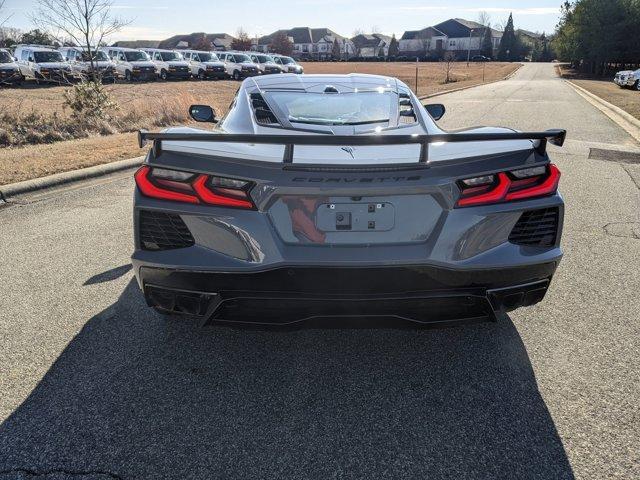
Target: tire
(637,85)
(127,76)
(236,75)
(201,75)
(163,75)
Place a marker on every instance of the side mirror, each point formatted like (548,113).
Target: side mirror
(203,113)
(436,110)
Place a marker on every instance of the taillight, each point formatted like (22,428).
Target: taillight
(178,186)
(508,186)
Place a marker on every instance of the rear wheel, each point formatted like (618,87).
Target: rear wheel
(201,75)
(637,85)
(164,75)
(236,75)
(127,76)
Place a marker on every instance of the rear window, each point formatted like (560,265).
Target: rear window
(5,57)
(98,56)
(136,56)
(43,57)
(170,56)
(335,108)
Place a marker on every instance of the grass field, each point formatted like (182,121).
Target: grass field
(158,104)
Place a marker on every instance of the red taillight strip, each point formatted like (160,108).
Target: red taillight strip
(212,198)
(148,189)
(497,194)
(550,185)
(500,192)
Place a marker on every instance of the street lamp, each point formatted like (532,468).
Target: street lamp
(469,50)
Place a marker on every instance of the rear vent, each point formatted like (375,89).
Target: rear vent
(163,231)
(405,107)
(537,228)
(263,113)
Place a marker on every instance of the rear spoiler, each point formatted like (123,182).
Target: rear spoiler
(556,137)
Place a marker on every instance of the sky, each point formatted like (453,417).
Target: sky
(159,19)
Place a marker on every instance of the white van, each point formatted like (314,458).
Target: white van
(288,64)
(266,63)
(204,64)
(78,58)
(239,65)
(169,63)
(42,64)
(9,69)
(131,64)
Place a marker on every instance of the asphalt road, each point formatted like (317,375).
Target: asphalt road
(93,385)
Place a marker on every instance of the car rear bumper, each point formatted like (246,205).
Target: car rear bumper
(421,294)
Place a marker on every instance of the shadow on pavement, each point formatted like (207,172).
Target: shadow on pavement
(135,395)
(109,275)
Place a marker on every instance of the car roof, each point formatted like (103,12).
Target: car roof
(349,81)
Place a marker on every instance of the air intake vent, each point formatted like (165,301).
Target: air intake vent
(407,115)
(263,113)
(163,231)
(537,228)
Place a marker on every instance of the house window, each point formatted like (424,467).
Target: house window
(452,43)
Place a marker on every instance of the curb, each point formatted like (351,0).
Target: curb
(623,119)
(460,89)
(13,189)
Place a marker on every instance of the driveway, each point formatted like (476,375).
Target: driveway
(94,385)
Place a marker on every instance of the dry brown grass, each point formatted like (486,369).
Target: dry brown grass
(624,98)
(430,75)
(152,105)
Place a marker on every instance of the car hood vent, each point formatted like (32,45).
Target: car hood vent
(261,109)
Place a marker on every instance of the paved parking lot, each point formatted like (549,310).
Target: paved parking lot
(93,385)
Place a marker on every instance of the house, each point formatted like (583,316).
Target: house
(371,46)
(214,41)
(459,36)
(308,43)
(464,37)
(428,42)
(137,44)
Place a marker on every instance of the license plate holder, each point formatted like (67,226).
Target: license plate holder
(355,217)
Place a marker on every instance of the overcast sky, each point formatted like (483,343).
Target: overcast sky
(158,19)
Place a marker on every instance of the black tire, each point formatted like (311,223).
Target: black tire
(236,75)
(201,75)
(164,76)
(127,76)
(637,85)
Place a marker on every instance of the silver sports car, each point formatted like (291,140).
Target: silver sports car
(321,197)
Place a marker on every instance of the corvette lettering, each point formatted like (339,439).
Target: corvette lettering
(357,180)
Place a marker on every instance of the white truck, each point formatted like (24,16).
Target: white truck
(204,65)
(628,79)
(9,69)
(43,64)
(169,63)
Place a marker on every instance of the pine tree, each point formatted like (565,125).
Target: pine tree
(508,50)
(336,49)
(487,43)
(394,48)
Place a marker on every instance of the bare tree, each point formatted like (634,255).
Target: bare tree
(242,41)
(357,31)
(448,61)
(375,29)
(85,22)
(3,19)
(484,18)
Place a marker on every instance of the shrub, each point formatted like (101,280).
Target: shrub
(90,100)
